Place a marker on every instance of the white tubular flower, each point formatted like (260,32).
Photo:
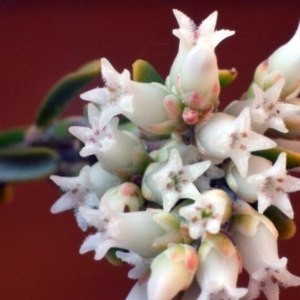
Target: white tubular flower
(199,73)
(141,265)
(142,103)
(226,136)
(172,271)
(256,239)
(145,233)
(119,152)
(266,108)
(210,210)
(189,35)
(272,186)
(286,59)
(166,183)
(219,266)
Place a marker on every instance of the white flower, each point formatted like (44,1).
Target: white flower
(209,211)
(266,108)
(113,99)
(225,136)
(272,186)
(256,239)
(239,185)
(96,139)
(119,152)
(145,233)
(172,181)
(172,271)
(219,266)
(189,35)
(199,72)
(76,188)
(142,103)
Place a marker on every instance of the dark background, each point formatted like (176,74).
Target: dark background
(40,41)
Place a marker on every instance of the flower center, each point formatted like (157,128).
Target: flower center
(176,181)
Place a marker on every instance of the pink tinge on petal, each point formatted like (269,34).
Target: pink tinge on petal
(190,116)
(173,108)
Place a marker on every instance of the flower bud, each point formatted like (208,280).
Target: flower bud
(172,271)
(285,61)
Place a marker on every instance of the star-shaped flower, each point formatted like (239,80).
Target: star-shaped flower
(114,98)
(77,188)
(189,30)
(273,185)
(237,141)
(268,110)
(209,211)
(96,139)
(175,181)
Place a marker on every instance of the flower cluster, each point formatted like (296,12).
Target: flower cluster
(180,194)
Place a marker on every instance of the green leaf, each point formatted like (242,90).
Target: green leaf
(27,164)
(12,136)
(285,226)
(226,77)
(64,91)
(292,158)
(112,257)
(144,72)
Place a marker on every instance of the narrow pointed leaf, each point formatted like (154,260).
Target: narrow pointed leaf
(11,137)
(144,72)
(27,164)
(64,91)
(292,159)
(226,77)
(112,257)
(285,226)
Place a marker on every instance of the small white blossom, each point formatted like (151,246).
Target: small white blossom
(209,211)
(273,185)
(113,99)
(77,189)
(145,233)
(266,108)
(96,139)
(119,152)
(225,136)
(175,181)
(189,35)
(256,239)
